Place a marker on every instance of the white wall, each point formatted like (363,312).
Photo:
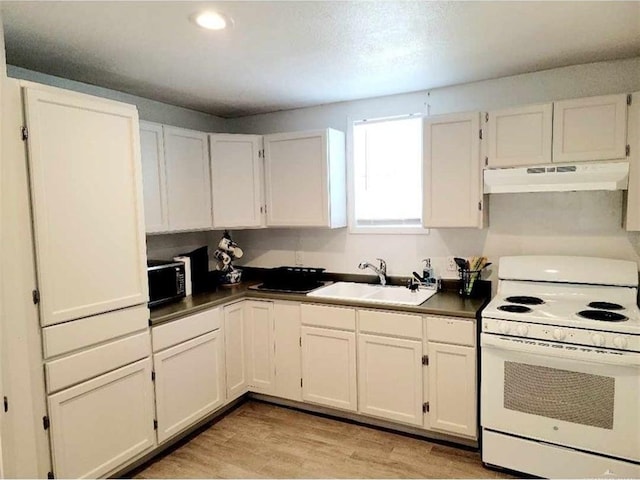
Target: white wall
(577,223)
(149,110)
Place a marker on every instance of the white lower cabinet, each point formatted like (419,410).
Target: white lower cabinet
(390,378)
(189,382)
(102,423)
(260,346)
(288,360)
(452,376)
(235,345)
(329,367)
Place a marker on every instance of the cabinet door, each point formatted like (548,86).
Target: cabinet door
(329,368)
(519,136)
(305,179)
(451,173)
(154,184)
(390,378)
(236,181)
(452,389)
(593,128)
(260,346)
(99,425)
(189,382)
(188,179)
(632,218)
(235,345)
(288,360)
(87,203)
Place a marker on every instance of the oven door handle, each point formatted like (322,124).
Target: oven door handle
(564,351)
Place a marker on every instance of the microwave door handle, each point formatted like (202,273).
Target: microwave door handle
(626,359)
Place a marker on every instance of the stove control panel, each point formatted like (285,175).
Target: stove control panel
(577,336)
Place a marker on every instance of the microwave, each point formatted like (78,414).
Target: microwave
(166,282)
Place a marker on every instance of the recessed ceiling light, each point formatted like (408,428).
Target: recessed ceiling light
(210,20)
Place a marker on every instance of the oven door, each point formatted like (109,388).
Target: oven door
(576,396)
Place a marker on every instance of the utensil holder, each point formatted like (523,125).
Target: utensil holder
(468,281)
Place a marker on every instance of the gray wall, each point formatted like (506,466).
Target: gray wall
(574,223)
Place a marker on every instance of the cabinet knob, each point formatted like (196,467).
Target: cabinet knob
(597,339)
(559,334)
(620,342)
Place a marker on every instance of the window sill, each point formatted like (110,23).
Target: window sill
(388,230)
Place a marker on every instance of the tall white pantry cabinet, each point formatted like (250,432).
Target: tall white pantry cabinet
(86,188)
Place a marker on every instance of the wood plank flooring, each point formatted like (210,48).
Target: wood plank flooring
(260,440)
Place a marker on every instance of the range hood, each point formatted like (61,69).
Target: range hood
(558,178)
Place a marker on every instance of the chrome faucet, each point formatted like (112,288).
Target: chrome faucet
(381,271)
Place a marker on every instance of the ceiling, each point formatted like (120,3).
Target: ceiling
(289,54)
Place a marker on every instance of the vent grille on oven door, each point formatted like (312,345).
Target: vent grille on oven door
(574,397)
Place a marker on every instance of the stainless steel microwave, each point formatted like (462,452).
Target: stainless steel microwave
(166,282)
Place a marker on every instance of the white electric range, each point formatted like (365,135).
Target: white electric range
(560,375)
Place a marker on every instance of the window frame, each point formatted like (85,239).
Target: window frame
(351,186)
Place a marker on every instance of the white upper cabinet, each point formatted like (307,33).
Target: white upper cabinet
(156,216)
(593,128)
(451,171)
(519,136)
(86,185)
(632,218)
(305,177)
(188,179)
(237,180)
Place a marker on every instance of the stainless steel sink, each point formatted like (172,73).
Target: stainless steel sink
(377,294)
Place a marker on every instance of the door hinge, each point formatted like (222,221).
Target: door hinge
(627,150)
(300,383)
(24,132)
(5,402)
(425,407)
(261,209)
(480,206)
(155,424)
(50,475)
(35,296)
(486,117)
(629,99)
(259,153)
(45,422)
(153,376)
(425,359)
(150,322)
(480,134)
(486,161)
(300,341)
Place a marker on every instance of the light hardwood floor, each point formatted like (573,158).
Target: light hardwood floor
(259,440)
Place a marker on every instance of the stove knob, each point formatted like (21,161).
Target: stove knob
(620,342)
(597,339)
(523,330)
(504,327)
(559,334)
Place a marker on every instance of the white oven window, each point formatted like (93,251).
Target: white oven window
(576,397)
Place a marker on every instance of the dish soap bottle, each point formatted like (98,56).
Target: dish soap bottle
(427,273)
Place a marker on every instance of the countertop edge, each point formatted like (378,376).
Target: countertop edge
(206,301)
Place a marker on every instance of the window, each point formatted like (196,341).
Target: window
(387,168)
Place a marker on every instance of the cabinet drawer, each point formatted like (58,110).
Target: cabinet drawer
(83,333)
(328,317)
(87,364)
(178,331)
(451,330)
(388,323)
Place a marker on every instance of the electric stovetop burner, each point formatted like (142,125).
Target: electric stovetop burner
(602,315)
(514,308)
(605,306)
(525,300)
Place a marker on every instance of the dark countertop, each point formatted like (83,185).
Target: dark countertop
(448,303)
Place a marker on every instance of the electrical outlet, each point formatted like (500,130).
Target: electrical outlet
(298,259)
(451,265)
